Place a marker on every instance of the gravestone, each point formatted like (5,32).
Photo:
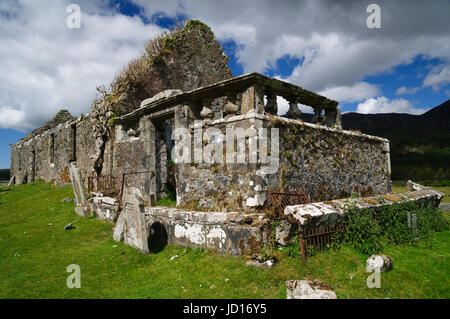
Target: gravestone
(132,224)
(82,206)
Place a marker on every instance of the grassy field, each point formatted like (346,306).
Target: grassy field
(34,257)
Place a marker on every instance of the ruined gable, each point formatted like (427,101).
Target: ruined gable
(184,59)
(61,117)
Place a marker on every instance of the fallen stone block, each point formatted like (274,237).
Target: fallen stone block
(68,226)
(304,289)
(260,263)
(282,232)
(105,208)
(382,262)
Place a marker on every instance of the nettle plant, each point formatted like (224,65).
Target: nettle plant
(370,230)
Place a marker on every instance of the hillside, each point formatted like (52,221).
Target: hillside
(420,144)
(4,174)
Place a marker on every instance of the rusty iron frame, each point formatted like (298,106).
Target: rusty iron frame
(282,199)
(313,239)
(110,178)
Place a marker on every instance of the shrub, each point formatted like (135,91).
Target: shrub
(393,220)
(430,220)
(368,231)
(363,233)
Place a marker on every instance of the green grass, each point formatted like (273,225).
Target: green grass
(443,189)
(34,257)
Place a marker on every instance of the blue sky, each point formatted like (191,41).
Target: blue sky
(323,46)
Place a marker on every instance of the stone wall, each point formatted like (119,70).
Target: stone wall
(226,232)
(328,164)
(324,162)
(47,156)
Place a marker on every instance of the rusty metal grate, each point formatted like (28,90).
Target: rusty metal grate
(280,200)
(315,240)
(106,184)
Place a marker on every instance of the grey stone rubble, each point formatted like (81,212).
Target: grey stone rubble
(68,226)
(379,262)
(304,289)
(445,207)
(260,263)
(105,208)
(283,232)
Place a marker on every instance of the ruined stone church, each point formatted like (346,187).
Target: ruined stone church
(120,153)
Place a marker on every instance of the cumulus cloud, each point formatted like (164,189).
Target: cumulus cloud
(331,38)
(357,92)
(47,66)
(283,106)
(382,104)
(403,90)
(438,77)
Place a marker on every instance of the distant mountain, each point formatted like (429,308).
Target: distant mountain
(4,174)
(438,118)
(420,144)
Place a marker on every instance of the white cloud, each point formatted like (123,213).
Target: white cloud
(438,77)
(331,38)
(46,66)
(403,90)
(12,118)
(382,104)
(283,106)
(357,92)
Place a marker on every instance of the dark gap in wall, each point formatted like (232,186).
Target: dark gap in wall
(52,148)
(20,160)
(33,168)
(74,143)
